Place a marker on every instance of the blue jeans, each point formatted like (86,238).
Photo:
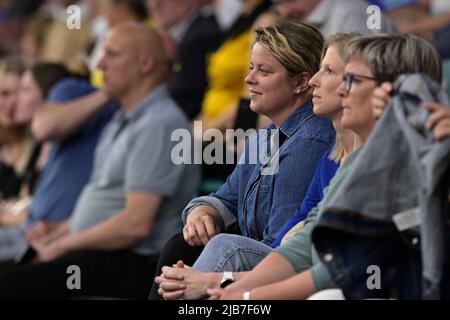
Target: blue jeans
(230,252)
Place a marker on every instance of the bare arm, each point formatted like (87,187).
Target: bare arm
(271,269)
(60,120)
(121,231)
(41,240)
(427,24)
(297,287)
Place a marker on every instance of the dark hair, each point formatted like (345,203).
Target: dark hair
(137,7)
(14,66)
(47,75)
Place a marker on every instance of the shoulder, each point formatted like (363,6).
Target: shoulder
(203,21)
(350,5)
(164,114)
(68,89)
(315,128)
(204,28)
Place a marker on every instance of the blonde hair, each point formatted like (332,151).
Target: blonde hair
(338,41)
(297,46)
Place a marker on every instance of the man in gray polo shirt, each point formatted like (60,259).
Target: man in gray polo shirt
(133,201)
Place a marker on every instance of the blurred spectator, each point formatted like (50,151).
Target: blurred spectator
(132,202)
(10,74)
(226,11)
(107,14)
(331,16)
(119,11)
(195,35)
(70,160)
(423,18)
(23,8)
(64,45)
(24,154)
(33,38)
(227,68)
(74,139)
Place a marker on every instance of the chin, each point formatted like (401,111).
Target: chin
(254,107)
(347,123)
(318,110)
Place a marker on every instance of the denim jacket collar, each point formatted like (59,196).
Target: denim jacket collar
(295,119)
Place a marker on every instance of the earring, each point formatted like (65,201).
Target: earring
(298,91)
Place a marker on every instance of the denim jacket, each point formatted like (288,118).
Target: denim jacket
(397,189)
(271,199)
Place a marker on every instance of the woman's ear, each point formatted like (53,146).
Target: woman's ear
(302,82)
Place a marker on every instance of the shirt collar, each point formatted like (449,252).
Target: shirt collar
(301,114)
(151,98)
(321,13)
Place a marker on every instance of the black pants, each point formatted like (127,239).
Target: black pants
(175,249)
(116,274)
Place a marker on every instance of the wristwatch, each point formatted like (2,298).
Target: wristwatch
(227,279)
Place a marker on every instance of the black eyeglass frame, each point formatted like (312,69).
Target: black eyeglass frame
(348,79)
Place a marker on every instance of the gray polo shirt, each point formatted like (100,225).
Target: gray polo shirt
(134,155)
(333,16)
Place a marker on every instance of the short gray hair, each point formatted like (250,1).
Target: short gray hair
(390,55)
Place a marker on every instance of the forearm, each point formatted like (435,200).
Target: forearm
(116,233)
(427,24)
(57,121)
(272,269)
(8,219)
(60,231)
(298,287)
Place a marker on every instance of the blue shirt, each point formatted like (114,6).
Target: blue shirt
(261,204)
(388,5)
(326,170)
(69,164)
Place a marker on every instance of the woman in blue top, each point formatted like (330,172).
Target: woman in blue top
(226,252)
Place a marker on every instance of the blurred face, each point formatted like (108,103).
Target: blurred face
(356,102)
(326,100)
(168,13)
(296,10)
(9,90)
(119,65)
(111,12)
(272,90)
(30,98)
